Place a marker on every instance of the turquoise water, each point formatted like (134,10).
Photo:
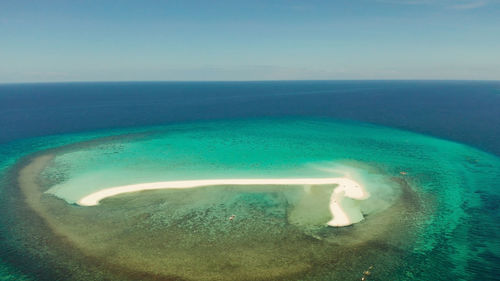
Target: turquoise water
(258,149)
(453,229)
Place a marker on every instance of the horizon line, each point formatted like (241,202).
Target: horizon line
(243,81)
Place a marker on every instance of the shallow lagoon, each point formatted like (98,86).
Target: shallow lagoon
(418,227)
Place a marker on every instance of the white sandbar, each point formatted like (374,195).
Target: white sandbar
(343,210)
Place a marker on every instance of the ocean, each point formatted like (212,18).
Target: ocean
(456,110)
(432,146)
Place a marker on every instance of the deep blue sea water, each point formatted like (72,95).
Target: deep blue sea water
(467,112)
(464,112)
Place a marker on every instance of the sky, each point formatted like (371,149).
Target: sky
(47,41)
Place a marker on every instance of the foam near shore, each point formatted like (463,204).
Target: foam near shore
(343,211)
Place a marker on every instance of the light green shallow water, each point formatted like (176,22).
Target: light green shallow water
(454,184)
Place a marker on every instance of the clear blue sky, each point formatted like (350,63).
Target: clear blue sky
(248,40)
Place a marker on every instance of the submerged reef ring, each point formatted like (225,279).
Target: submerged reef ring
(432,223)
(343,212)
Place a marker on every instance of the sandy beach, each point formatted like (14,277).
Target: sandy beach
(344,211)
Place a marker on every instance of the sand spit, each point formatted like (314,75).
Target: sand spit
(344,211)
